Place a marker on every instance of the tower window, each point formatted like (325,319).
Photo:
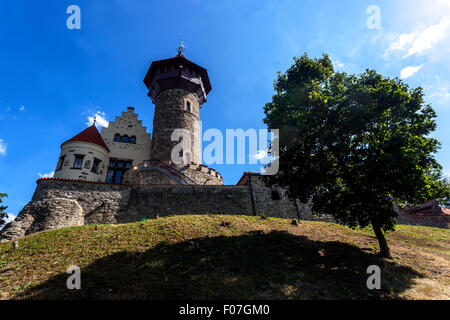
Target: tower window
(96,165)
(125,139)
(188,106)
(133,140)
(60,163)
(117,138)
(78,161)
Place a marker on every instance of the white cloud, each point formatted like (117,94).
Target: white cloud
(46,175)
(22,107)
(100,118)
(441,93)
(418,42)
(2,147)
(261,154)
(446,173)
(409,71)
(8,219)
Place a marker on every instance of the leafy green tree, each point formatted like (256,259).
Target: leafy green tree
(3,214)
(442,191)
(353,144)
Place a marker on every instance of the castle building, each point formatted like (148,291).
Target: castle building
(129,143)
(83,157)
(125,175)
(125,153)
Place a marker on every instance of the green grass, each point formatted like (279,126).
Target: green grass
(194,257)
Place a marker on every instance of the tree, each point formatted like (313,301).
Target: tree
(3,214)
(353,144)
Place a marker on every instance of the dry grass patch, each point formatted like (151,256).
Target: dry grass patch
(225,257)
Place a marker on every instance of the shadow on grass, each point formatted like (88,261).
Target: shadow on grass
(276,265)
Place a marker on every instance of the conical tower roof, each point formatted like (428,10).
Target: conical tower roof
(90,135)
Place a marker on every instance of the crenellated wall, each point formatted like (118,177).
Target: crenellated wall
(58,203)
(156,172)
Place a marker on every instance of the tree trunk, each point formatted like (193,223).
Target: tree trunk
(384,248)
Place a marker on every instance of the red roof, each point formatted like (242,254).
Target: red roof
(430,208)
(90,135)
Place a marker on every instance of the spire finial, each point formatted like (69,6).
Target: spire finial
(181,47)
(95,120)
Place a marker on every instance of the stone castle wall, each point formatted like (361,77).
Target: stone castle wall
(58,203)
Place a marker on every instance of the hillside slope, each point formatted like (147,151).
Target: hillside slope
(201,257)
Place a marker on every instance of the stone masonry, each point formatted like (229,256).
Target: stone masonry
(59,203)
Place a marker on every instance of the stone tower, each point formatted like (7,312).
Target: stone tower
(178,88)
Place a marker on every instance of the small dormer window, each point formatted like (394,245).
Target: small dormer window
(188,106)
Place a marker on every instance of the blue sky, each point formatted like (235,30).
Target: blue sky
(52,78)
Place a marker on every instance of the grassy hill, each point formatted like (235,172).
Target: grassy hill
(201,257)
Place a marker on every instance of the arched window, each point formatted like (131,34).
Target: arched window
(117,137)
(133,140)
(125,139)
(188,106)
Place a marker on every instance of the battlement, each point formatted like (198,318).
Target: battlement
(192,166)
(156,172)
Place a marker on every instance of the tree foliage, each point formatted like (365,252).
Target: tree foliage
(353,144)
(3,214)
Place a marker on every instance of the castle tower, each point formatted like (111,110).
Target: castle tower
(178,88)
(84,157)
